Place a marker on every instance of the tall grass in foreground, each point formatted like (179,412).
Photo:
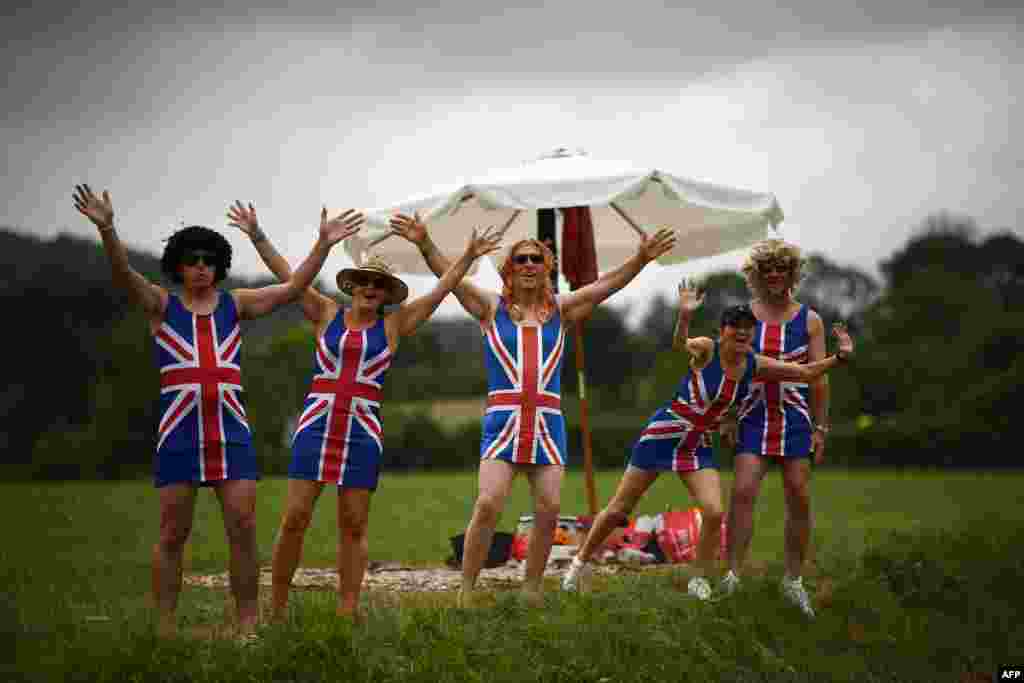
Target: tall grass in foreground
(915,577)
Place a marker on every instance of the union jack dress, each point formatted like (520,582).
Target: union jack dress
(678,437)
(775,419)
(523,422)
(203,436)
(338,436)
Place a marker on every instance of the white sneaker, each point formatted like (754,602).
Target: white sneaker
(730,583)
(794,591)
(699,588)
(576,575)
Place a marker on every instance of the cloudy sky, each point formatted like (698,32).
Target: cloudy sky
(861,117)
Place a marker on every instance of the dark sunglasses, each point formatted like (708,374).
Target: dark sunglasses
(773,267)
(360,280)
(522,259)
(194,257)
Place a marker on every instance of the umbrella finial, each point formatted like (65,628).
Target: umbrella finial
(563,152)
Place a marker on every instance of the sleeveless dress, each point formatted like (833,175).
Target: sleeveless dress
(677,438)
(338,436)
(523,422)
(203,436)
(775,419)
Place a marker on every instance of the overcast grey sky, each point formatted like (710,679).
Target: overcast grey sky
(862,118)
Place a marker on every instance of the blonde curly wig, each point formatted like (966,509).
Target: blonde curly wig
(773,251)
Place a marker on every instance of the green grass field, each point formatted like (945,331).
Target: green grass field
(917,572)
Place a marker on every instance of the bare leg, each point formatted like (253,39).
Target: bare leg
(796,479)
(706,490)
(749,470)
(632,487)
(177,506)
(495,482)
(298,514)
(353,546)
(546,486)
(238,504)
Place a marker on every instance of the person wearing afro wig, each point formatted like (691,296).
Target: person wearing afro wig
(203,436)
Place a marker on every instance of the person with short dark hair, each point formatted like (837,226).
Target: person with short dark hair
(677,437)
(339,434)
(203,437)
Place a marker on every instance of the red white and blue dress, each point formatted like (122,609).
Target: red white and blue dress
(339,436)
(523,423)
(677,438)
(775,419)
(203,436)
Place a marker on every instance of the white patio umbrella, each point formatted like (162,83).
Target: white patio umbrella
(624,200)
(708,219)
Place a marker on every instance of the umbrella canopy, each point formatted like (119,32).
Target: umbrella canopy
(709,219)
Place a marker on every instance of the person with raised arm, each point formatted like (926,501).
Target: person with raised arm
(783,422)
(339,436)
(677,438)
(523,428)
(203,437)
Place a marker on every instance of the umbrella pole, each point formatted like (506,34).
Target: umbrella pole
(588,453)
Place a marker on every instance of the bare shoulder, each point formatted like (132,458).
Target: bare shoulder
(815,325)
(701,348)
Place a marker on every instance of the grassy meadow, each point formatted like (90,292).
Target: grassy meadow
(915,575)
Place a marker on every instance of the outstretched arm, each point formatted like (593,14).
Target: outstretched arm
(409,317)
(478,302)
(253,303)
(314,304)
(771,370)
(100,210)
(579,304)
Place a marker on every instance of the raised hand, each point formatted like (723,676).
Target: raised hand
(341,227)
(410,228)
(484,243)
(690,296)
(652,247)
(99,210)
(244,218)
(842,335)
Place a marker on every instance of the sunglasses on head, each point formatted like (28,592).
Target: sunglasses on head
(773,267)
(360,280)
(523,259)
(195,256)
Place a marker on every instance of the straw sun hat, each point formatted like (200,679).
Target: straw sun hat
(377,267)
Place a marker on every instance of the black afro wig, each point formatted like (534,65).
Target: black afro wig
(195,237)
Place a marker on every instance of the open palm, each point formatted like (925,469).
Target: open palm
(410,228)
(690,296)
(99,210)
(243,218)
(341,227)
(485,242)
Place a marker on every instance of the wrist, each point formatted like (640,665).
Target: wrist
(106,227)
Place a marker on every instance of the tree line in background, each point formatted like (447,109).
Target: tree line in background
(938,363)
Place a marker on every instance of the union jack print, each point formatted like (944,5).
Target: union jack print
(342,406)
(692,416)
(200,386)
(523,419)
(775,408)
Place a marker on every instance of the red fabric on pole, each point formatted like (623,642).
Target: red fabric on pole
(579,255)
